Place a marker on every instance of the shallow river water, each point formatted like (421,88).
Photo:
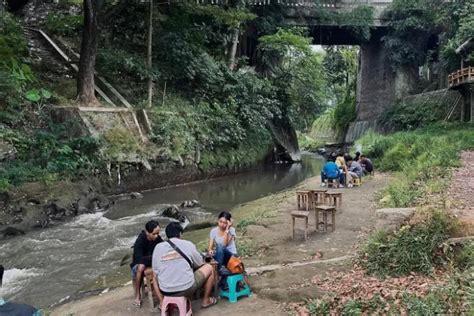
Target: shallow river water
(45,266)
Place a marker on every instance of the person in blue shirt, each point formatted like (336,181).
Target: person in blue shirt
(331,172)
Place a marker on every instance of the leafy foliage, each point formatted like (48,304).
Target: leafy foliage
(461,20)
(408,115)
(61,24)
(411,23)
(297,74)
(12,41)
(46,154)
(410,249)
(341,65)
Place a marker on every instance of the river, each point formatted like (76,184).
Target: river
(48,265)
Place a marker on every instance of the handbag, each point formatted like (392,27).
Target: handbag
(235,265)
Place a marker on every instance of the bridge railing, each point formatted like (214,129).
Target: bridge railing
(462,76)
(335,4)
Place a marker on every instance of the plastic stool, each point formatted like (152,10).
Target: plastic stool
(182,303)
(232,294)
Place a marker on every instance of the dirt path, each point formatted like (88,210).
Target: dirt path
(461,192)
(269,239)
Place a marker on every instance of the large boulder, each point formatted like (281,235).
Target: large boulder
(12,231)
(391,219)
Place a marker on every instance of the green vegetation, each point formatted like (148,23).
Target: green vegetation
(64,24)
(415,24)
(421,160)
(360,20)
(410,249)
(410,115)
(44,155)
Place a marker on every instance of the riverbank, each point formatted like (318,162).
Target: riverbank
(264,227)
(39,205)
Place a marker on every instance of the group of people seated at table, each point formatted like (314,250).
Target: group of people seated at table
(179,269)
(345,168)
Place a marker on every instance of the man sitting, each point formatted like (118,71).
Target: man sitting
(366,164)
(331,172)
(355,169)
(142,255)
(180,267)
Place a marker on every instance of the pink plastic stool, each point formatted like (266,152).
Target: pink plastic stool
(182,303)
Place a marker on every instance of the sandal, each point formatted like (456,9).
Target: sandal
(213,301)
(135,304)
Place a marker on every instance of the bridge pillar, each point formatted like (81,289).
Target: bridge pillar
(378,87)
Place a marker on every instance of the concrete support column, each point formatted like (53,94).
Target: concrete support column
(379,86)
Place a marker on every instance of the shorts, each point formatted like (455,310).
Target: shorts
(134,270)
(199,280)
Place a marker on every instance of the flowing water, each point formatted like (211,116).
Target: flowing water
(45,266)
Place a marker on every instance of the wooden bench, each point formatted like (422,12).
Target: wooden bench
(300,214)
(303,200)
(333,199)
(357,181)
(325,210)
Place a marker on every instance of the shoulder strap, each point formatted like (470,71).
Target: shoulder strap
(181,253)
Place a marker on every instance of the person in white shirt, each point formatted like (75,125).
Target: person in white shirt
(180,267)
(223,238)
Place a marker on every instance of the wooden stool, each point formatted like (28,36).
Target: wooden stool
(318,196)
(332,182)
(333,198)
(149,278)
(300,214)
(357,181)
(325,209)
(303,200)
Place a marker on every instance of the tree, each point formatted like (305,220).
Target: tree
(85,76)
(297,73)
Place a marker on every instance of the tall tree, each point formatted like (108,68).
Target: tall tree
(85,76)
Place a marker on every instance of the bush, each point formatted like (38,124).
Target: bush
(67,25)
(464,259)
(411,249)
(12,40)
(120,145)
(45,155)
(412,115)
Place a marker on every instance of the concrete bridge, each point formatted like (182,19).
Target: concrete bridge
(379,86)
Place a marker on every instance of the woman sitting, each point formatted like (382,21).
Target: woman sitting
(223,238)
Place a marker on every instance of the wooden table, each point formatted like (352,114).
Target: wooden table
(318,196)
(333,198)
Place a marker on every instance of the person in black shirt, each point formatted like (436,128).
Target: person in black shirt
(142,255)
(366,164)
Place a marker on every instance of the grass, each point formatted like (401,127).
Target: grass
(413,248)
(421,160)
